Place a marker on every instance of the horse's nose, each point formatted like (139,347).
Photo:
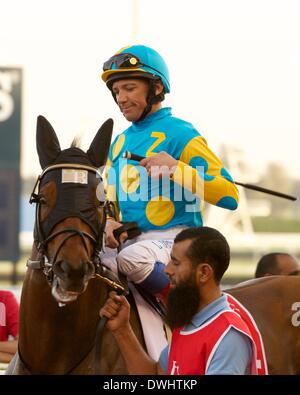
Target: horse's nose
(64,270)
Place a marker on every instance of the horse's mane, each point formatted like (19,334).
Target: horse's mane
(76,143)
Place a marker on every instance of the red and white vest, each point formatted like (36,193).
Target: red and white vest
(261,362)
(191,352)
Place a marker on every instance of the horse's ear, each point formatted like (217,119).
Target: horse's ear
(47,144)
(99,147)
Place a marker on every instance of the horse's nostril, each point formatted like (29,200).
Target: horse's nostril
(89,268)
(58,268)
(65,267)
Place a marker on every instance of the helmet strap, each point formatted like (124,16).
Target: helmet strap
(152,98)
(113,95)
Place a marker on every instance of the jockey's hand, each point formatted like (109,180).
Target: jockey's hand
(117,310)
(159,165)
(110,240)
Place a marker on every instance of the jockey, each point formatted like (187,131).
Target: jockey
(164,192)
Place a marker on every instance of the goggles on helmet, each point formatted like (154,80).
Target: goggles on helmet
(125,61)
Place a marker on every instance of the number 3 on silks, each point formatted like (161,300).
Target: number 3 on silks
(160,137)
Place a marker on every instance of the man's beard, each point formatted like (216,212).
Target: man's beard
(183,303)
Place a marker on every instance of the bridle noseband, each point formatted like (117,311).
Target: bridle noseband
(41,240)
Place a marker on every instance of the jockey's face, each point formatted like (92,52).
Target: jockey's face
(131,96)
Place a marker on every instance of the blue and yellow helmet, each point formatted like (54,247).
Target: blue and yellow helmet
(136,61)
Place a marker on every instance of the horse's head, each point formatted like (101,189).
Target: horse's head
(70,215)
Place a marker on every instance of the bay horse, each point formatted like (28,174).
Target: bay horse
(61,297)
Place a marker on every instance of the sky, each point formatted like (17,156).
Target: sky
(234,68)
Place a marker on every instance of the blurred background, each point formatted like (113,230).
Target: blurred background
(234,68)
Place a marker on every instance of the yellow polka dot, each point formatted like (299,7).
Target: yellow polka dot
(215,191)
(118,146)
(160,210)
(129,178)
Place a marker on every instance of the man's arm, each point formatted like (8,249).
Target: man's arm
(212,182)
(8,350)
(199,171)
(233,355)
(117,309)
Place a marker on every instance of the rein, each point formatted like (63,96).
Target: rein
(116,286)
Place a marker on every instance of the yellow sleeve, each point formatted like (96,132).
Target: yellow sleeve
(210,180)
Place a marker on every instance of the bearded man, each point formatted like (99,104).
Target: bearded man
(208,336)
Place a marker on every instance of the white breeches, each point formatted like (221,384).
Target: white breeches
(138,256)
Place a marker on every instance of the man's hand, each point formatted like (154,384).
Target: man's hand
(110,240)
(117,310)
(8,349)
(159,165)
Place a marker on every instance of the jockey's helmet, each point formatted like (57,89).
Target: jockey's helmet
(136,61)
